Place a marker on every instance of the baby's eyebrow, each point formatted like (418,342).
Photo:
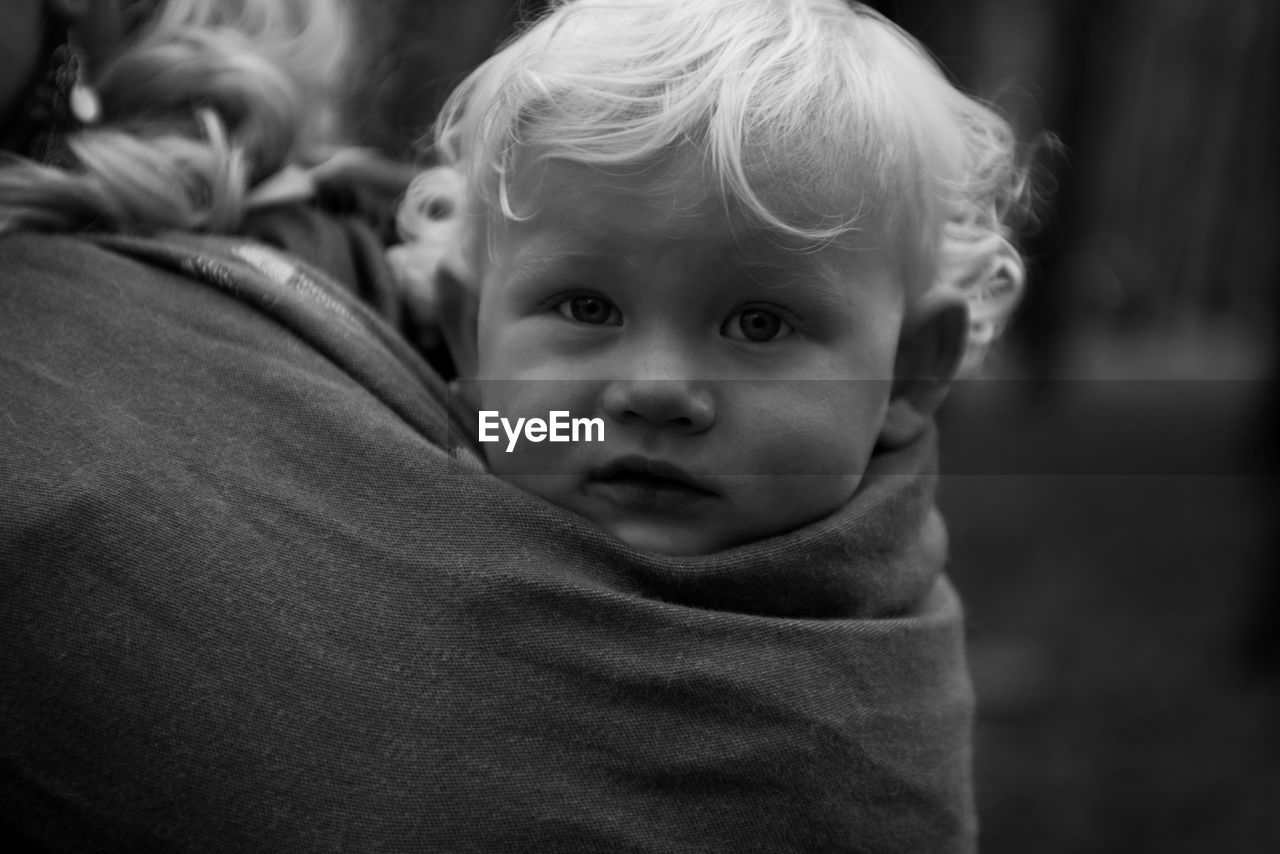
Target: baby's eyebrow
(813,275)
(545,256)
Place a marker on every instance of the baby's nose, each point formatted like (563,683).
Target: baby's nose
(685,406)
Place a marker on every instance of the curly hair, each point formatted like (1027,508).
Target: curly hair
(789,102)
(207,98)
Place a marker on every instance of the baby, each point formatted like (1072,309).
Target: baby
(751,241)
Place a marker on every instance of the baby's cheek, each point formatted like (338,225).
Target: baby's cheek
(769,506)
(806,463)
(811,428)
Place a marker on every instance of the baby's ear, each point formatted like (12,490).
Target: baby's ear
(930,350)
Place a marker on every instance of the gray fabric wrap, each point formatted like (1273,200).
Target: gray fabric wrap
(248,602)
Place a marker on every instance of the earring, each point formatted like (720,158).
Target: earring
(60,104)
(81,99)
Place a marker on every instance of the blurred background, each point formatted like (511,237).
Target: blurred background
(1111,482)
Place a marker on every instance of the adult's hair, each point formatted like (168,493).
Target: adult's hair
(205,100)
(784,101)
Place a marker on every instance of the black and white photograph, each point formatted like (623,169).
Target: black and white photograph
(639,426)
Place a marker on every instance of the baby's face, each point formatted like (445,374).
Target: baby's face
(741,385)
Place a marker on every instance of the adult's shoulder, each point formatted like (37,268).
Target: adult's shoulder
(30,257)
(191,311)
(216,380)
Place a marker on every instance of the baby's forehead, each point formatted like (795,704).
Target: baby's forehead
(550,245)
(574,206)
(671,187)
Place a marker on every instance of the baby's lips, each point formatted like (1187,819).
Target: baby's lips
(635,466)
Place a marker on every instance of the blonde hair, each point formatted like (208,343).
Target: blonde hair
(783,99)
(207,99)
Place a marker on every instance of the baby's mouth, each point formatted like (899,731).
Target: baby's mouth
(648,484)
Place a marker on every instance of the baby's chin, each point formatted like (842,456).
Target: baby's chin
(715,532)
(661,533)
(674,541)
(708,525)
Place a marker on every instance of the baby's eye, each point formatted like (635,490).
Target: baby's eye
(756,325)
(590,309)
